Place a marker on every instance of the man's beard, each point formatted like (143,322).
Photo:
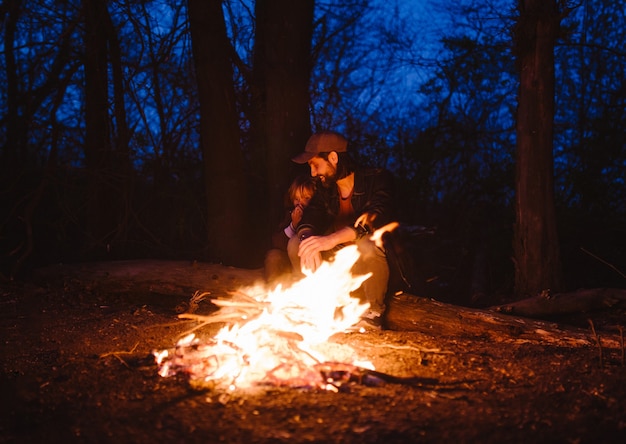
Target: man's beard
(327,180)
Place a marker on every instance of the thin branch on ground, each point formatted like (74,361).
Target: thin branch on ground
(597,338)
(116,354)
(417,349)
(611,266)
(129,352)
(621,341)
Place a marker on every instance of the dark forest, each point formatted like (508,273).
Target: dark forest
(164,129)
(145,155)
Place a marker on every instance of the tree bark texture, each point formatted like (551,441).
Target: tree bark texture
(536,248)
(225,182)
(120,136)
(579,301)
(282,67)
(103,195)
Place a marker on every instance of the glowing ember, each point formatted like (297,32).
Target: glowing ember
(278,337)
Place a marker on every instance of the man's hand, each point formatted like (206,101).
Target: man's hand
(311,248)
(310,253)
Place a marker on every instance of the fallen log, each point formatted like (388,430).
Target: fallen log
(180,280)
(580,301)
(407,312)
(158,277)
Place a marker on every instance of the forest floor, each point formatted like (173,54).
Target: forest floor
(76,366)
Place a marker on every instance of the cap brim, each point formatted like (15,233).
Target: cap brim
(303,157)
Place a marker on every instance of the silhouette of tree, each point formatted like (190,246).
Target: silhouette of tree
(281,77)
(219,135)
(536,244)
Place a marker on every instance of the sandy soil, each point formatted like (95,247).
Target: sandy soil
(76,366)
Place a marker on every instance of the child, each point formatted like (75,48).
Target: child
(299,194)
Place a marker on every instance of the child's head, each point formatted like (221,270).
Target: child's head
(301,190)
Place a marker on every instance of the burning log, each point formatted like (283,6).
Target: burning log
(213,362)
(276,336)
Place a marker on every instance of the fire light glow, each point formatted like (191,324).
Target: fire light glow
(276,337)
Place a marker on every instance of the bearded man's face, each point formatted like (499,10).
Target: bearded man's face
(324,171)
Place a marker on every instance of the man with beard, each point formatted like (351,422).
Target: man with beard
(350,203)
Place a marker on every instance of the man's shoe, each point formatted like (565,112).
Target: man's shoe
(368,324)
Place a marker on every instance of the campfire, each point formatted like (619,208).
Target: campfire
(278,337)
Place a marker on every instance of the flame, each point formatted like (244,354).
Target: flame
(278,336)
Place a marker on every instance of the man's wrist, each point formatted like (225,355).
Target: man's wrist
(360,231)
(304,234)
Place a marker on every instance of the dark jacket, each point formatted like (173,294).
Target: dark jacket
(373,193)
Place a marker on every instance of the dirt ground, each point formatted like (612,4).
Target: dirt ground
(77,367)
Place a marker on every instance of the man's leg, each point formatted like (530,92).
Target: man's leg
(372,259)
(276,266)
(292,250)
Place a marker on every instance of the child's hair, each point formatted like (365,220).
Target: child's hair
(301,184)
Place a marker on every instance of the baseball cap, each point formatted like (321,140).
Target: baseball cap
(323,142)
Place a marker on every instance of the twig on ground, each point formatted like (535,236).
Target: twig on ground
(240,307)
(621,341)
(418,349)
(204,321)
(597,338)
(194,302)
(611,266)
(116,354)
(163,325)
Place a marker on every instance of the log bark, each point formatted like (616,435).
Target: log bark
(410,313)
(176,279)
(579,301)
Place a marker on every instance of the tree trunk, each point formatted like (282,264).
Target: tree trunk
(102,195)
(120,136)
(282,68)
(219,135)
(536,248)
